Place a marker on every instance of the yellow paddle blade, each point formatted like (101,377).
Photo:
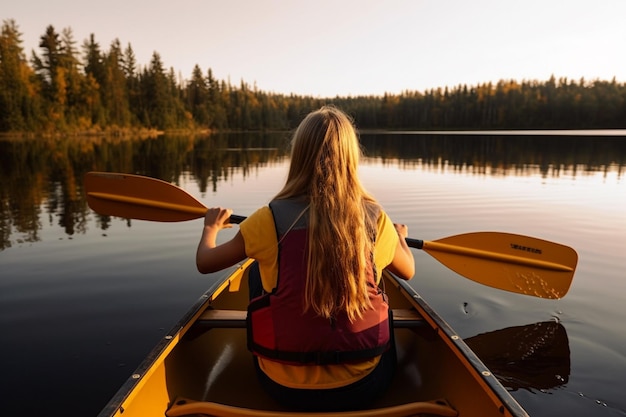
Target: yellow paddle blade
(516,263)
(138,197)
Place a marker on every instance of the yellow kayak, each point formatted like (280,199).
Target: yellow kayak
(203,367)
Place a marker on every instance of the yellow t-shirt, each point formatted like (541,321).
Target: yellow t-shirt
(259,235)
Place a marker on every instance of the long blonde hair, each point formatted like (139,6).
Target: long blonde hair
(325,156)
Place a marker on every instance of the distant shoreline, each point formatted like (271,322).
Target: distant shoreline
(512,132)
(144,132)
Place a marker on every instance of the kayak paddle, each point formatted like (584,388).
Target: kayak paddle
(510,262)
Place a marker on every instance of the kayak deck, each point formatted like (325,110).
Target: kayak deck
(203,366)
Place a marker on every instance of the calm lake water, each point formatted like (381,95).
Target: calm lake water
(83,298)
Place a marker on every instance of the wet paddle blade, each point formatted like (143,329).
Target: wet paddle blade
(138,197)
(532,357)
(516,263)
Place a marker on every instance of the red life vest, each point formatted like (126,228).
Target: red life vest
(280,329)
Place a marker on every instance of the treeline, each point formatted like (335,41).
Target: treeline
(62,89)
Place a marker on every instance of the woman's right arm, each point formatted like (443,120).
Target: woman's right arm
(403,264)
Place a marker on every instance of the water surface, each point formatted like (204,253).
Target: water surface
(83,298)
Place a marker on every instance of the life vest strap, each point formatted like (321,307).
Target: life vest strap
(320,358)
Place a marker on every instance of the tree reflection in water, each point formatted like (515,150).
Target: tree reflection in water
(43,177)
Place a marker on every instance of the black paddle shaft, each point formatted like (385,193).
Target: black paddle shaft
(415,243)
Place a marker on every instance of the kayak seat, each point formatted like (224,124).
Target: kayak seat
(212,318)
(185,407)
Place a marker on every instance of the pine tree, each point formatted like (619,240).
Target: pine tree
(18,94)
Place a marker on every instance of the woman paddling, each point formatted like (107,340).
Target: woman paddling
(318,324)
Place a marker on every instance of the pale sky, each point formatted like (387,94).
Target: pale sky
(349,47)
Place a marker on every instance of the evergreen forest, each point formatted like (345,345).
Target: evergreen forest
(70,89)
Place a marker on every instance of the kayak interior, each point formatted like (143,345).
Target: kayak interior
(202,366)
